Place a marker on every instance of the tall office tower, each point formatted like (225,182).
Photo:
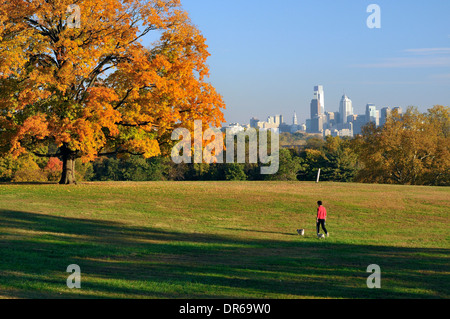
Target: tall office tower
(321,97)
(345,109)
(372,114)
(384,114)
(315,107)
(294,119)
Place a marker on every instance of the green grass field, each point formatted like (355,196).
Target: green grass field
(223,240)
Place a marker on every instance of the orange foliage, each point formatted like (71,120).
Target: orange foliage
(97,89)
(53,169)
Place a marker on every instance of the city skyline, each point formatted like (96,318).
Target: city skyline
(343,123)
(316,108)
(263,60)
(306,111)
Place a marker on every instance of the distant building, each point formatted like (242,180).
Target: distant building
(319,92)
(345,109)
(254,122)
(399,110)
(269,126)
(273,123)
(315,108)
(317,119)
(308,125)
(303,127)
(348,132)
(331,120)
(331,116)
(317,125)
(285,128)
(372,115)
(337,117)
(384,114)
(277,120)
(358,121)
(294,119)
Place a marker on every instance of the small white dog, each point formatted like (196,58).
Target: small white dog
(320,236)
(301,232)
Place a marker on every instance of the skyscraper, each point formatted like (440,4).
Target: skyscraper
(294,119)
(345,109)
(321,97)
(372,115)
(384,114)
(316,109)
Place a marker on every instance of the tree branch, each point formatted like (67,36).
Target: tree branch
(117,152)
(46,155)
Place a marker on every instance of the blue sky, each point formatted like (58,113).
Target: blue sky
(267,56)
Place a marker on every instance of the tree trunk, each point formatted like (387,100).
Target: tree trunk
(68,172)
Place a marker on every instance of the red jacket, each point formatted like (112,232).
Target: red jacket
(321,213)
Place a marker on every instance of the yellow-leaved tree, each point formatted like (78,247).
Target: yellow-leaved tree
(411,149)
(76,80)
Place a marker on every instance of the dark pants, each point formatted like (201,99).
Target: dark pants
(321,222)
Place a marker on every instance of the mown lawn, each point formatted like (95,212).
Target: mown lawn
(223,240)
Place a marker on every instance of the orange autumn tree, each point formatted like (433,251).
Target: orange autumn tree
(76,80)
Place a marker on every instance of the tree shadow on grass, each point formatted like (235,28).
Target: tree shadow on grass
(117,260)
(260,231)
(28,183)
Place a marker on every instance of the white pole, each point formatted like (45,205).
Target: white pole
(318,176)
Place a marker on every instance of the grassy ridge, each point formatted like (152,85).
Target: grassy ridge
(223,240)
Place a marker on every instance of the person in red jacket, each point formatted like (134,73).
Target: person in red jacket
(321,218)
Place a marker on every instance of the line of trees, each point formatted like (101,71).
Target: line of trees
(413,149)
